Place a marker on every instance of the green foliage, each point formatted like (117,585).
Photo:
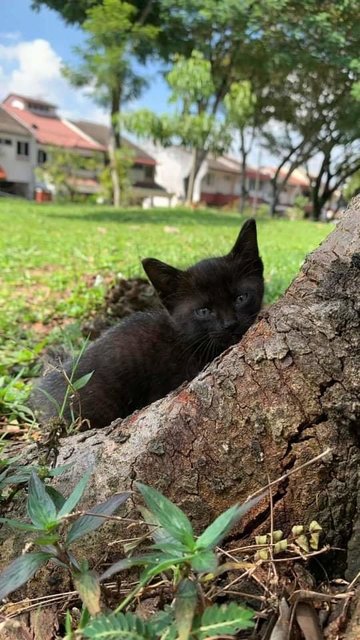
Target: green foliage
(14,393)
(185,606)
(190,80)
(240,103)
(297,211)
(223,620)
(47,514)
(352,187)
(87,524)
(20,571)
(193,124)
(177,550)
(117,626)
(104,61)
(64,168)
(124,160)
(168,516)
(176,547)
(215,621)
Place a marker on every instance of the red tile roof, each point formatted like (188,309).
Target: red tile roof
(52,130)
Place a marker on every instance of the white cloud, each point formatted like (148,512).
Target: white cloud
(33,69)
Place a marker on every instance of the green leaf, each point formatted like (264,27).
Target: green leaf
(16,524)
(19,571)
(158,533)
(162,620)
(185,605)
(40,506)
(82,382)
(88,587)
(223,620)
(204,561)
(57,497)
(216,531)
(152,559)
(53,473)
(117,627)
(164,565)
(86,524)
(170,517)
(75,496)
(173,548)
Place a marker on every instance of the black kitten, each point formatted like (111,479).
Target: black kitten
(207,308)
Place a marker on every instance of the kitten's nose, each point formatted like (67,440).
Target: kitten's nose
(228,321)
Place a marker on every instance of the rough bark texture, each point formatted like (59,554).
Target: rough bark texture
(280,397)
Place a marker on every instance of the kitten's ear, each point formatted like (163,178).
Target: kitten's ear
(246,240)
(163,277)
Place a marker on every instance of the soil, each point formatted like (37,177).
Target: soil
(121,299)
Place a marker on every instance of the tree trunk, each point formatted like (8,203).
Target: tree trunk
(285,393)
(114,145)
(191,180)
(243,189)
(274,196)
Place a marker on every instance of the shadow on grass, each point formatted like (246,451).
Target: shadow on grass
(177,217)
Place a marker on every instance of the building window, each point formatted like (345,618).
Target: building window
(210,179)
(42,156)
(252,184)
(149,173)
(6,141)
(22,149)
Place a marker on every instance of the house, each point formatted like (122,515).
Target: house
(142,173)
(218,182)
(45,129)
(17,157)
(31,127)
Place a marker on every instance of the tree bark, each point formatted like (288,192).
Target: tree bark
(114,145)
(285,393)
(243,178)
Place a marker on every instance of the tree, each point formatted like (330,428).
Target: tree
(316,86)
(241,116)
(340,159)
(193,125)
(106,65)
(64,168)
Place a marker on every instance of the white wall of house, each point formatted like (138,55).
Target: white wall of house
(18,159)
(173,167)
(289,194)
(221,182)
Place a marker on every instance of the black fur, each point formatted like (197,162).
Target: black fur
(207,308)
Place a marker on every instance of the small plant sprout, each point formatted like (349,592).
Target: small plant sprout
(73,386)
(189,558)
(48,510)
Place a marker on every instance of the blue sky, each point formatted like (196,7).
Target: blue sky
(33,45)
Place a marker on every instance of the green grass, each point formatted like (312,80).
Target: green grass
(50,254)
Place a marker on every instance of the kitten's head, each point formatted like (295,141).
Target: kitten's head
(214,302)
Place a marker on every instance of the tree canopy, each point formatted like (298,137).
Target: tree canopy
(300,61)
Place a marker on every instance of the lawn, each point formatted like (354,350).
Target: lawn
(51,254)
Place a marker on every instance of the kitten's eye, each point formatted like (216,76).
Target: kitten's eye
(203,313)
(242,298)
